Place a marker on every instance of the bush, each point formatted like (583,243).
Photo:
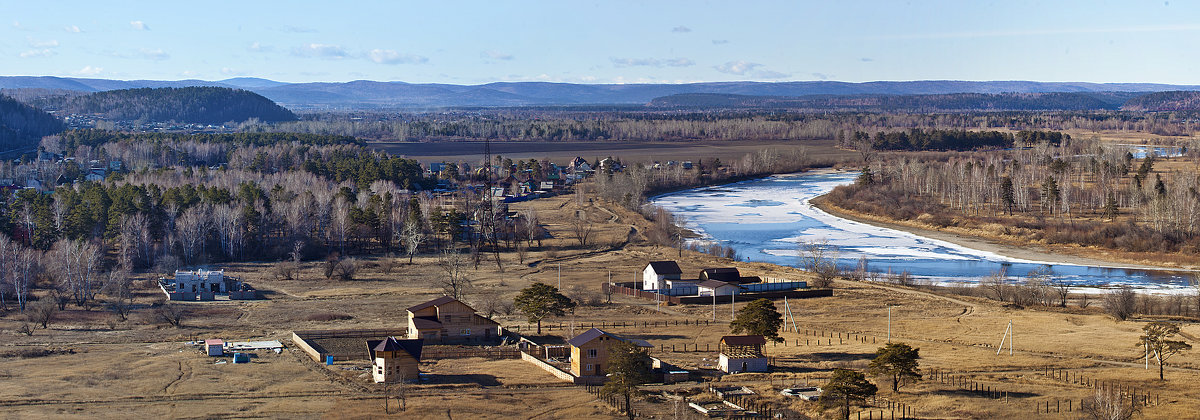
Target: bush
(1121,303)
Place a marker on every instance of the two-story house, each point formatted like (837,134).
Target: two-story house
(447,319)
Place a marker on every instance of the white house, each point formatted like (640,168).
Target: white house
(656,274)
(201,281)
(717,288)
(743,353)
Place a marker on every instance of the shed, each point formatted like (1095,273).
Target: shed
(743,353)
(214,347)
(716,288)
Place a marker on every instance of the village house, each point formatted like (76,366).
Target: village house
(446,319)
(205,285)
(743,353)
(395,360)
(657,274)
(589,351)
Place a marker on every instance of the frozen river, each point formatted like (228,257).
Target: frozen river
(764,218)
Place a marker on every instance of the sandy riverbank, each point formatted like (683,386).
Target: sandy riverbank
(984,244)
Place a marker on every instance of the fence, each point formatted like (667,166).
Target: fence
(434,352)
(584,326)
(612,400)
(630,289)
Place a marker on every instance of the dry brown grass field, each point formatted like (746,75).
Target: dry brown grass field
(140,368)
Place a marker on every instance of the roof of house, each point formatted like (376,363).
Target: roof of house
(713,284)
(665,267)
(213,342)
(437,302)
(727,274)
(426,323)
(595,333)
(744,340)
(411,346)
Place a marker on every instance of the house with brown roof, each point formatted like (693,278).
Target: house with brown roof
(743,353)
(657,274)
(589,351)
(446,319)
(395,360)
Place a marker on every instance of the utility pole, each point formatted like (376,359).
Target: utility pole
(559,277)
(889,323)
(732,298)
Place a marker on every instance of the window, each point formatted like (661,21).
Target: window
(592,355)
(466,332)
(589,368)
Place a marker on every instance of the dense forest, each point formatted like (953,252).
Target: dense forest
(200,105)
(1165,101)
(1060,101)
(21,126)
(943,140)
(540,124)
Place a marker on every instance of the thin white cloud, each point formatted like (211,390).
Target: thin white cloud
(752,70)
(139,25)
(231,71)
(259,48)
(1042,32)
(45,52)
(37,43)
(681,29)
(822,76)
(156,54)
(298,29)
(651,62)
(737,67)
(329,51)
(382,56)
(72,29)
(496,55)
(89,71)
(18,26)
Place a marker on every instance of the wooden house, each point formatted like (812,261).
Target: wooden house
(395,360)
(589,351)
(743,353)
(656,274)
(446,319)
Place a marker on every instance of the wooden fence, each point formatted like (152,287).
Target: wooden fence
(434,352)
(615,401)
(630,289)
(584,326)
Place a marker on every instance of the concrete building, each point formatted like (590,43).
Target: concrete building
(201,281)
(214,347)
(589,351)
(395,360)
(446,319)
(743,353)
(657,273)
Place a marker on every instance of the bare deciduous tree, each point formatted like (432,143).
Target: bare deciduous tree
(819,258)
(1108,404)
(1121,303)
(581,227)
(414,236)
(455,283)
(191,229)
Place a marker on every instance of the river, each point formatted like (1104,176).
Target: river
(763,219)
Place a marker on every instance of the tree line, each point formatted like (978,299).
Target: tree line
(199,104)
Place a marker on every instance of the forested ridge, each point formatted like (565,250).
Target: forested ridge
(1063,101)
(1165,101)
(943,140)
(200,105)
(21,125)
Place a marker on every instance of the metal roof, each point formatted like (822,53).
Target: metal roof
(665,267)
(595,333)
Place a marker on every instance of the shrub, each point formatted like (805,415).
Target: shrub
(328,316)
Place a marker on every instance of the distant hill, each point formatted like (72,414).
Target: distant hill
(1165,101)
(22,126)
(202,105)
(363,94)
(1070,101)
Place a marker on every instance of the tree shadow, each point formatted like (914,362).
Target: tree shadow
(472,378)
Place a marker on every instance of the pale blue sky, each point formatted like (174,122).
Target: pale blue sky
(471,42)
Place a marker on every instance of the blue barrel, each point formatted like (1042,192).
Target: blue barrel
(328,360)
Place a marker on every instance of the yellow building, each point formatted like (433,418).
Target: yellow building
(589,351)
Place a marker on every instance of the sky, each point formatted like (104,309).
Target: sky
(660,41)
